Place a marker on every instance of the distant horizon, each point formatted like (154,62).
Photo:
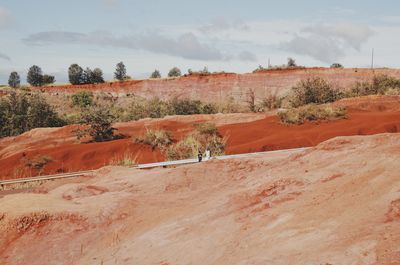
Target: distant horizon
(230,36)
(185,74)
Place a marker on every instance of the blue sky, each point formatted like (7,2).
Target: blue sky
(222,35)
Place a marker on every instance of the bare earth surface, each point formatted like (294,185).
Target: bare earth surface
(337,203)
(245,133)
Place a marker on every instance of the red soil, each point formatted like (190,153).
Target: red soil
(245,133)
(219,87)
(337,203)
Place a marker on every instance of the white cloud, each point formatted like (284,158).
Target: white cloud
(186,45)
(328,43)
(222,24)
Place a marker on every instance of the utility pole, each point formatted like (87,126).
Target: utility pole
(372,63)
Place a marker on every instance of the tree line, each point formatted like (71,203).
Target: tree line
(79,76)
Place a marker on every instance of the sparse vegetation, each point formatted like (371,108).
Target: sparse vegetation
(38,162)
(126,160)
(100,128)
(155,138)
(174,72)
(82,99)
(311,113)
(156,74)
(380,85)
(313,90)
(337,65)
(205,137)
(22,112)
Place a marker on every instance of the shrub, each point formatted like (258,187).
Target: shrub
(209,108)
(312,90)
(38,162)
(186,106)
(48,79)
(126,160)
(380,84)
(22,112)
(157,108)
(155,138)
(174,72)
(207,129)
(137,110)
(155,74)
(205,137)
(271,101)
(230,106)
(336,65)
(100,124)
(184,149)
(82,99)
(311,113)
(14,80)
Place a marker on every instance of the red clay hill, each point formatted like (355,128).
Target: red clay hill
(221,86)
(245,133)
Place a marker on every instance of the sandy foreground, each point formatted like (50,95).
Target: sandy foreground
(338,203)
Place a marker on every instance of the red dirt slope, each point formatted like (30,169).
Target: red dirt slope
(219,87)
(245,133)
(337,203)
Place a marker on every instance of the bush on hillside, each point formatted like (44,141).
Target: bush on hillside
(379,85)
(313,90)
(174,72)
(22,112)
(100,122)
(155,138)
(82,99)
(205,136)
(311,113)
(186,106)
(156,74)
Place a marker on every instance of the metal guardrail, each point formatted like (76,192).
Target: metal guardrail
(47,177)
(144,166)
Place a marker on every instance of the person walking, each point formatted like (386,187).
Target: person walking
(200,156)
(208,154)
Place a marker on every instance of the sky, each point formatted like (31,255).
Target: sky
(231,36)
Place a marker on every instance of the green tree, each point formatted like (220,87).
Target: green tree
(35,76)
(75,74)
(82,99)
(14,80)
(100,124)
(97,76)
(291,62)
(48,79)
(41,114)
(87,76)
(22,112)
(120,72)
(155,74)
(174,72)
(336,65)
